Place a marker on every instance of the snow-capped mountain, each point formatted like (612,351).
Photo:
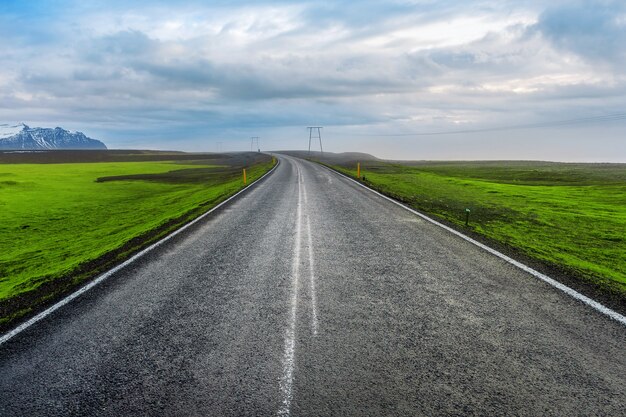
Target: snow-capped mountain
(22,137)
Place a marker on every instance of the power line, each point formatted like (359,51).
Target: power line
(581,120)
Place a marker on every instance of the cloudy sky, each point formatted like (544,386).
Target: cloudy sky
(418,79)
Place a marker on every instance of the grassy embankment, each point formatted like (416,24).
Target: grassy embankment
(570,216)
(63,223)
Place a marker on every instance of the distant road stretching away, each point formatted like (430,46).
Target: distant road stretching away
(311,296)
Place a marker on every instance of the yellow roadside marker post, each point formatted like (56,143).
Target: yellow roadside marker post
(358,170)
(244,177)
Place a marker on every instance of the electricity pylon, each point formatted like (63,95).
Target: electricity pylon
(252,140)
(318,129)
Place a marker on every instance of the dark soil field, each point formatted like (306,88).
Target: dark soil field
(77,156)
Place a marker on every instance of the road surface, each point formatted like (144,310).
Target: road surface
(310,296)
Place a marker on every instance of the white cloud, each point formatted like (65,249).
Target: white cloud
(149,69)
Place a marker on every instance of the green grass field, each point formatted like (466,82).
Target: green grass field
(72,220)
(572,216)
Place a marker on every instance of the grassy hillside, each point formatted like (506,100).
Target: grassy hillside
(572,216)
(61,223)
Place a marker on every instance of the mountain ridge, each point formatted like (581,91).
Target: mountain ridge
(24,137)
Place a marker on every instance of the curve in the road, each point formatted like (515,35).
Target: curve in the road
(309,295)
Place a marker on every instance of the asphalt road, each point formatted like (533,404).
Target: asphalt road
(310,296)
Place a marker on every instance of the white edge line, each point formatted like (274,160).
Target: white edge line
(567,290)
(124,264)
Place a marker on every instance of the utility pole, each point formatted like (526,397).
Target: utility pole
(317,129)
(252,140)
(219,147)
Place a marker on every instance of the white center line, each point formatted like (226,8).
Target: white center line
(286,380)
